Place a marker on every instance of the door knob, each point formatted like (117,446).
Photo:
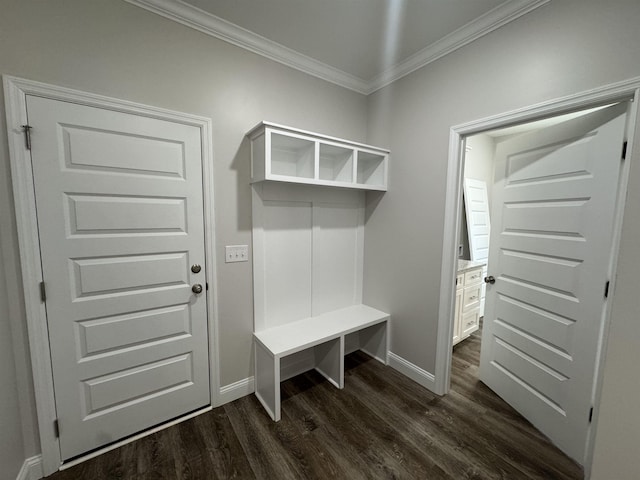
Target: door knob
(196,268)
(489,279)
(197,288)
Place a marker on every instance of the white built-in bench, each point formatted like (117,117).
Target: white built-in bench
(330,336)
(308,223)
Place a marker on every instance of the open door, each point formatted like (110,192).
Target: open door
(554,200)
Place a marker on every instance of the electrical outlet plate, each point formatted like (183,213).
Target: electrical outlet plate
(236,253)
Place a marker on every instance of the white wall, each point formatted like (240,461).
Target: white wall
(478,161)
(12,451)
(565,47)
(113,48)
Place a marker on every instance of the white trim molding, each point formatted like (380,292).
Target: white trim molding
(214,26)
(31,469)
(481,26)
(205,22)
(414,372)
(16,91)
(236,390)
(617,92)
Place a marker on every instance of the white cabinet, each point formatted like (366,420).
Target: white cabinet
(458,308)
(286,154)
(468,296)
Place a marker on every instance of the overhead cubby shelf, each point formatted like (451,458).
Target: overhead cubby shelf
(292,156)
(336,163)
(371,168)
(286,154)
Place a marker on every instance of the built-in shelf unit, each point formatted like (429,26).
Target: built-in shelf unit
(286,154)
(308,255)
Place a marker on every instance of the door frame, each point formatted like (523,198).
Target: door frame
(625,90)
(15,91)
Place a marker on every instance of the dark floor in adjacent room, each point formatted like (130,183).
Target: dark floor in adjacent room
(382,425)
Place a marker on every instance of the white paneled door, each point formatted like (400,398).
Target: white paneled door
(120,218)
(551,246)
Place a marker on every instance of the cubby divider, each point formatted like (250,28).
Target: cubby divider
(287,154)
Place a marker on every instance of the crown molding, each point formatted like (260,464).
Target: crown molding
(487,23)
(217,27)
(210,24)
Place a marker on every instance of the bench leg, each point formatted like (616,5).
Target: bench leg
(267,380)
(374,341)
(329,360)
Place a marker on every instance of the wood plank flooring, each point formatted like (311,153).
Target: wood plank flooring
(381,426)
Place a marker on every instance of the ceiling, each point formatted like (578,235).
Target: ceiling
(359,44)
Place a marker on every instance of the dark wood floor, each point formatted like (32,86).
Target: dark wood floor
(381,425)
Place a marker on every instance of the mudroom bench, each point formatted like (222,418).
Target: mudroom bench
(328,337)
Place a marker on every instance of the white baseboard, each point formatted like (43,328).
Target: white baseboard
(31,469)
(304,362)
(236,390)
(415,373)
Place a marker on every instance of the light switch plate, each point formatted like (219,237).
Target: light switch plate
(236,253)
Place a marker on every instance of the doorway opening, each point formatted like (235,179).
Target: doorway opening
(474,229)
(478,142)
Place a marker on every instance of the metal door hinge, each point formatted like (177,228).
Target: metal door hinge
(590,414)
(606,289)
(27,136)
(56,428)
(624,150)
(43,292)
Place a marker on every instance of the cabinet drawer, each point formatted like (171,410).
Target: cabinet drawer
(471,298)
(460,281)
(472,277)
(470,322)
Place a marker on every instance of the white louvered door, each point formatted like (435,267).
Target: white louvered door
(120,218)
(551,244)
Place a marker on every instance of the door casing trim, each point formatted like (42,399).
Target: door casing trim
(625,90)
(15,92)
